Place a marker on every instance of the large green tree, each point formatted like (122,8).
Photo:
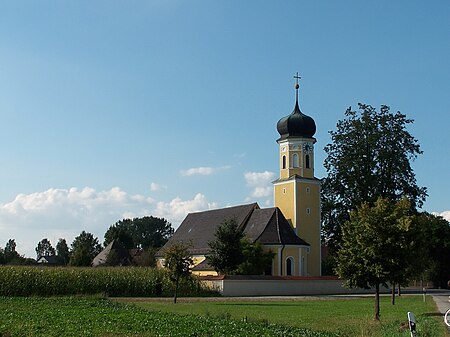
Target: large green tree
(177,260)
(146,232)
(256,260)
(226,249)
(11,256)
(376,246)
(62,252)
(435,232)
(84,248)
(369,156)
(232,253)
(44,248)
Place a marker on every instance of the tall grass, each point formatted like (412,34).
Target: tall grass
(112,281)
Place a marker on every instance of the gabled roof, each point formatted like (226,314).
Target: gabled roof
(197,229)
(122,254)
(267,226)
(49,259)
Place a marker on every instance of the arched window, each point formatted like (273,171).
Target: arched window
(295,160)
(307,161)
(290,266)
(284,162)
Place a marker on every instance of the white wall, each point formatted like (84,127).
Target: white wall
(282,287)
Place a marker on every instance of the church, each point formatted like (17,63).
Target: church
(291,229)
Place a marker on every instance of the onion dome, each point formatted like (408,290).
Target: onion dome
(296,124)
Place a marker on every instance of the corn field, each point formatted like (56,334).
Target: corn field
(109,281)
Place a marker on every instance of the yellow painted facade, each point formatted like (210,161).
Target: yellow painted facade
(296,256)
(297,195)
(196,259)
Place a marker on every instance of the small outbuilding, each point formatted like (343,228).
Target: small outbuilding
(114,254)
(49,260)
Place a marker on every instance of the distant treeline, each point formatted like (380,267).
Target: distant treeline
(142,235)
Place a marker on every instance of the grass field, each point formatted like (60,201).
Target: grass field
(81,316)
(345,317)
(97,316)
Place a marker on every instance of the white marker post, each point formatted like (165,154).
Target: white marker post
(412,324)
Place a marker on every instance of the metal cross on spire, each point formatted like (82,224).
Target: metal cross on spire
(296,86)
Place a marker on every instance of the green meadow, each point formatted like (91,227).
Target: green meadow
(99,316)
(340,316)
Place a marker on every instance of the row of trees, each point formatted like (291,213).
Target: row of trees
(146,234)
(370,201)
(9,255)
(83,249)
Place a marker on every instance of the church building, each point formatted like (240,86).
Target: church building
(291,229)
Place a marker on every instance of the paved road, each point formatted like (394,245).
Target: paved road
(442,301)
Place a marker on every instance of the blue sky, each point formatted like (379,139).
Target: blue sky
(112,109)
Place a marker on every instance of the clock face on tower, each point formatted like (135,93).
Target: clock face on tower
(307,147)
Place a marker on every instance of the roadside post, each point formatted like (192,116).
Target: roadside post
(412,324)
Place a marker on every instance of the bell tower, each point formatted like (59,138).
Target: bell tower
(297,191)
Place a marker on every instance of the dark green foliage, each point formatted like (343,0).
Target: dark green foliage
(120,232)
(231,253)
(84,248)
(368,157)
(328,264)
(44,248)
(177,260)
(11,256)
(376,246)
(112,281)
(62,252)
(2,257)
(113,259)
(144,258)
(146,232)
(226,249)
(435,235)
(256,260)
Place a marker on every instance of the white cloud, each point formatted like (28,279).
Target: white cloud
(154,187)
(445,215)
(260,183)
(65,213)
(177,209)
(203,170)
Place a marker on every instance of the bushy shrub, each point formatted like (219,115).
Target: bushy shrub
(111,281)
